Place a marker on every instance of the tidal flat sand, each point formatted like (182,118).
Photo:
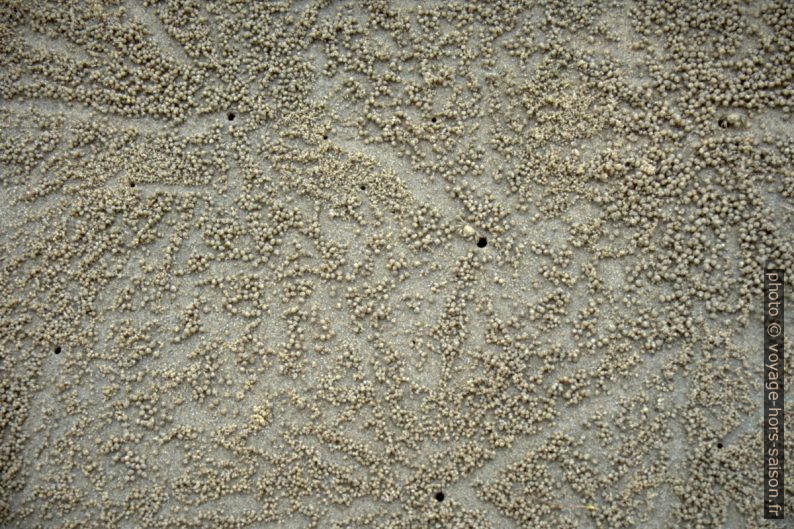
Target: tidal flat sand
(389,264)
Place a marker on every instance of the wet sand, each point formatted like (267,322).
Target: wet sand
(389,264)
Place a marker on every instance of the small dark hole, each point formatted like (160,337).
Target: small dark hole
(230,116)
(58,350)
(482,242)
(440,496)
(362,187)
(719,445)
(723,123)
(132,184)
(433,120)
(325,136)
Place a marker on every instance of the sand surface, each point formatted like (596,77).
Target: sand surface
(377,264)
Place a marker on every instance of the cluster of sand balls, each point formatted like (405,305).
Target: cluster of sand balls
(389,264)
